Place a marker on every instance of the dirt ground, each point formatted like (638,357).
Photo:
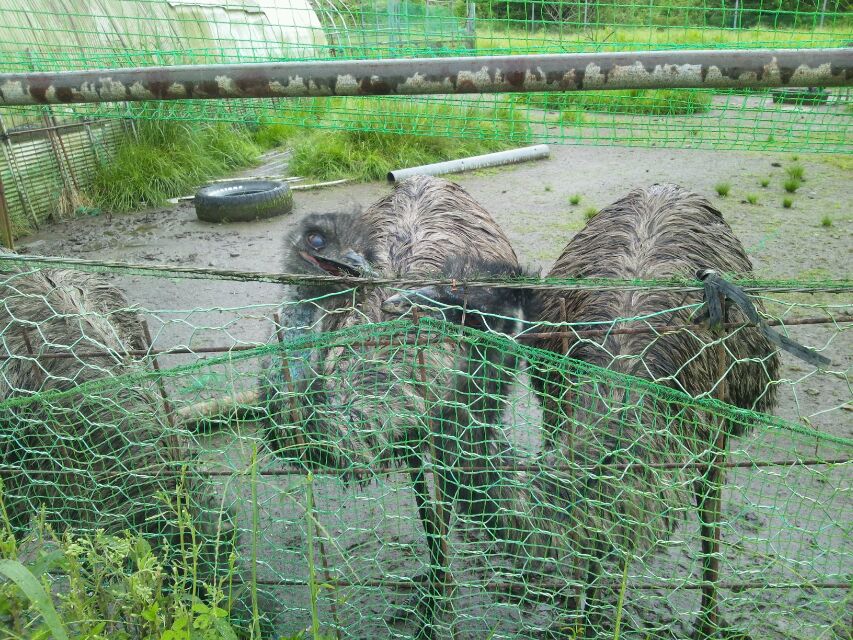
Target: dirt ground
(784,524)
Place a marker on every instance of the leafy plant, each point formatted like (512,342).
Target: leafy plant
(101,586)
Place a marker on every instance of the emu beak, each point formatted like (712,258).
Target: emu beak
(356,262)
(400,303)
(350,264)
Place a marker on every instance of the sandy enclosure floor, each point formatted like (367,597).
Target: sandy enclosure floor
(782,524)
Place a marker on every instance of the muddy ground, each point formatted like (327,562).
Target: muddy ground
(783,524)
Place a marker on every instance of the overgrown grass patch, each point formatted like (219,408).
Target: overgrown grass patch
(389,137)
(362,140)
(169,159)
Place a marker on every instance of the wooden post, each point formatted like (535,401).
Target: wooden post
(5,220)
(170,416)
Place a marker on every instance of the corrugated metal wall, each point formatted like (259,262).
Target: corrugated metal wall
(43,168)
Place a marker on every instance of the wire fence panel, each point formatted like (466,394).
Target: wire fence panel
(307,452)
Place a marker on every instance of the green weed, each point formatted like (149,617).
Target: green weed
(722,189)
(791,185)
(589,213)
(765,182)
(751,198)
(796,172)
(787,202)
(113,587)
(575,199)
(826,221)
(664,102)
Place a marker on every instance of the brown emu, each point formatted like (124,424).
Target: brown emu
(604,511)
(103,457)
(363,408)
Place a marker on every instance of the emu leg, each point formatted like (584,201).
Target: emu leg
(424,606)
(709,501)
(594,603)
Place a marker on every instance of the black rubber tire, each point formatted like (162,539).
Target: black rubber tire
(243,200)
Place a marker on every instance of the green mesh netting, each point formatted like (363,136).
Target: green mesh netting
(191,456)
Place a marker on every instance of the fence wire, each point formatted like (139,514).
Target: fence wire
(304,450)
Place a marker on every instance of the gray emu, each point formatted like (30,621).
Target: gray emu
(601,512)
(103,459)
(363,407)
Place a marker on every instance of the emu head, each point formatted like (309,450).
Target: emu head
(330,243)
(487,308)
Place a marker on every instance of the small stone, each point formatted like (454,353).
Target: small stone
(233,254)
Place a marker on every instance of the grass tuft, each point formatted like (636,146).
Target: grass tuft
(765,182)
(722,189)
(796,172)
(589,213)
(826,221)
(787,202)
(751,198)
(575,199)
(791,185)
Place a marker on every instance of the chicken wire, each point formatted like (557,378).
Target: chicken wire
(71,449)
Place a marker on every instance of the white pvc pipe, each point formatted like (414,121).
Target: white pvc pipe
(474,162)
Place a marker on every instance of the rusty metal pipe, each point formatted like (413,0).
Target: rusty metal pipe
(718,69)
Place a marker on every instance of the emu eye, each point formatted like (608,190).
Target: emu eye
(315,240)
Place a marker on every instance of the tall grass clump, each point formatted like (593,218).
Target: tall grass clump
(380,135)
(168,159)
(654,102)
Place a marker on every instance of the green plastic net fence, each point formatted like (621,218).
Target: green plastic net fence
(171,442)
(44,168)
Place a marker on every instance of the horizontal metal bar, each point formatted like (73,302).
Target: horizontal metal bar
(423,339)
(550,467)
(560,587)
(712,68)
(11,262)
(13,133)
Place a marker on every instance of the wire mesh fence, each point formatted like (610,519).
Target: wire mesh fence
(308,452)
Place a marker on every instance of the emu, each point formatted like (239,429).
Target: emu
(592,514)
(378,417)
(104,457)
